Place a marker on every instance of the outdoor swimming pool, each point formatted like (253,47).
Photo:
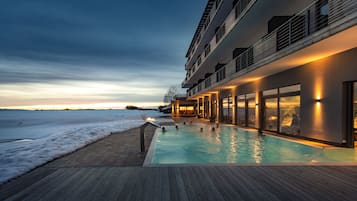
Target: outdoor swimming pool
(228,144)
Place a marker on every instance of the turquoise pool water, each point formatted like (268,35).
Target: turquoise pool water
(227,144)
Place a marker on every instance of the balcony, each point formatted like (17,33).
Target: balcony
(322,29)
(206,21)
(231,20)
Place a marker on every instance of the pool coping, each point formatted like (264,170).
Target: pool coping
(351,164)
(150,154)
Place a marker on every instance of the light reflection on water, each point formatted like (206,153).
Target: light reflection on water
(228,144)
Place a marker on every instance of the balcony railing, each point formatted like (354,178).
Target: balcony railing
(212,14)
(232,19)
(314,18)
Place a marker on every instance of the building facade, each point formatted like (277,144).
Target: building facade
(181,107)
(282,66)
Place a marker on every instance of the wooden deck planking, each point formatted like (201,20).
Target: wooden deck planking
(195,183)
(26,181)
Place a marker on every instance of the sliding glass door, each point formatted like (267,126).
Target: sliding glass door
(241,111)
(290,115)
(227,109)
(251,103)
(281,110)
(271,114)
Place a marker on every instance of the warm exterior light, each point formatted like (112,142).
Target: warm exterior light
(150,119)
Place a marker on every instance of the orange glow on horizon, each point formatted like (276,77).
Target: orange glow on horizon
(98,106)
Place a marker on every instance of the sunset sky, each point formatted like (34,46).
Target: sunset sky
(91,53)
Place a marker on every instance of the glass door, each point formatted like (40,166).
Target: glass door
(241,111)
(271,114)
(251,112)
(206,107)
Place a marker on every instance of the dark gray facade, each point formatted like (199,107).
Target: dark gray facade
(324,80)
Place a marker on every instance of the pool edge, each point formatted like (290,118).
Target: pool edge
(150,153)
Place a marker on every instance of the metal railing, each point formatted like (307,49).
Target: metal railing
(316,17)
(232,19)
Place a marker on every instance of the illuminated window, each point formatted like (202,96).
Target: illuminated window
(227,109)
(282,110)
(241,111)
(290,115)
(271,114)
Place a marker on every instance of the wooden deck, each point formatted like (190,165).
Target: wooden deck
(209,183)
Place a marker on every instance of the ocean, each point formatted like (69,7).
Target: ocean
(31,138)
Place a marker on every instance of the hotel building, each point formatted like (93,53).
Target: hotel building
(282,66)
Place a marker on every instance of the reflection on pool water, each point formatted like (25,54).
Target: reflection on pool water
(228,144)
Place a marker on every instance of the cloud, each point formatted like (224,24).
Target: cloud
(129,43)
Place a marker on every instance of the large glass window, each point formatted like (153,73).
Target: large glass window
(206,107)
(241,111)
(227,109)
(200,107)
(251,110)
(214,106)
(290,115)
(186,110)
(282,110)
(271,114)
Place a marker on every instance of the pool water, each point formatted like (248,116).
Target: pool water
(228,144)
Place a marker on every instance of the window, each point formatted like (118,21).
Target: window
(220,32)
(241,111)
(207,49)
(271,114)
(290,89)
(186,110)
(290,115)
(221,74)
(213,105)
(241,5)
(208,82)
(199,60)
(206,106)
(270,92)
(282,110)
(200,107)
(199,87)
(245,59)
(227,109)
(251,110)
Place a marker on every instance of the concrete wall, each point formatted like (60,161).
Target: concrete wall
(321,79)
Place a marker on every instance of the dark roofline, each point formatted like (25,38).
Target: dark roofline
(205,14)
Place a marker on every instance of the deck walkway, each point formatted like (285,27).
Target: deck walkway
(209,183)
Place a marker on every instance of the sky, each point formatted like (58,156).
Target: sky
(57,54)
